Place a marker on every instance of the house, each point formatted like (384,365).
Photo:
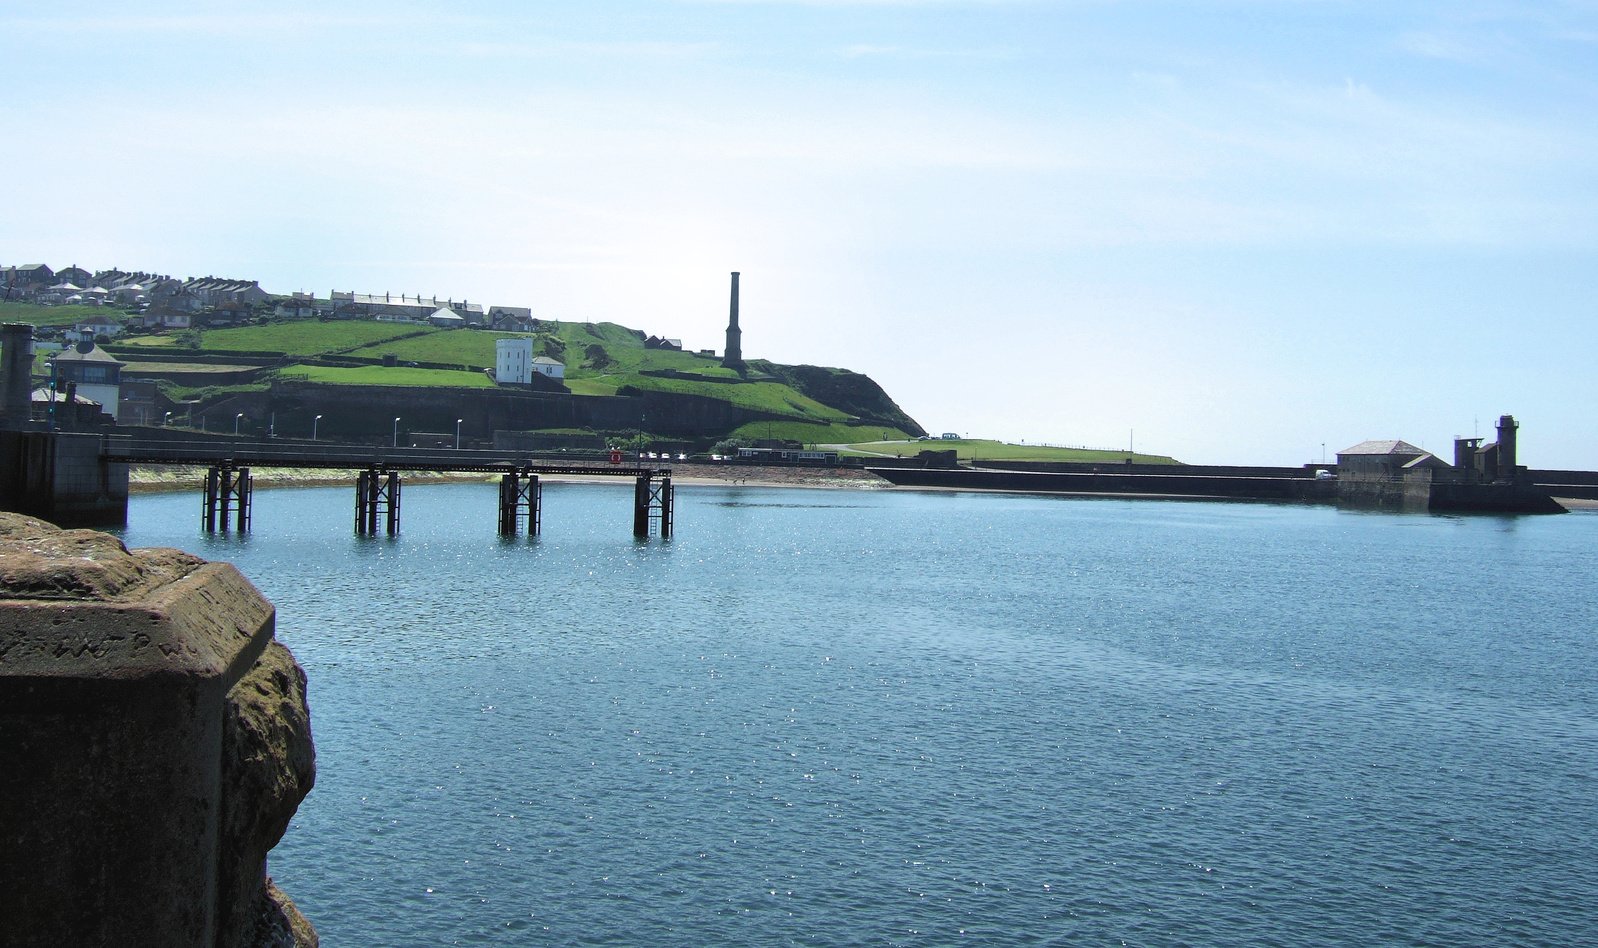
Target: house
(167,316)
(173,296)
(446,318)
(131,292)
(519,318)
(75,274)
(227,314)
(544,365)
(1379,460)
(96,373)
(93,328)
(512,319)
(23,281)
(296,306)
(389,308)
(62,292)
(661,342)
(219,291)
(141,402)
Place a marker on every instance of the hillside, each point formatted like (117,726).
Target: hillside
(795,402)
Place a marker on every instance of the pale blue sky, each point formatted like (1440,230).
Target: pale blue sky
(1240,229)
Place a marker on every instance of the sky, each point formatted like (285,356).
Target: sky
(1237,231)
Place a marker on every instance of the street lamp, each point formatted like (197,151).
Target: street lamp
(167,422)
(314,422)
(396,432)
(236,419)
(458,433)
(54,387)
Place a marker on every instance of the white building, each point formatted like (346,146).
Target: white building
(97,374)
(514,363)
(544,365)
(93,328)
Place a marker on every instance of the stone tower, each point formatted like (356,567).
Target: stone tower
(734,356)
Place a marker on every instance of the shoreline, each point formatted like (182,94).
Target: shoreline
(165,479)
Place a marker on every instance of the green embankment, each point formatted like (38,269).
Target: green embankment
(304,337)
(388,375)
(811,404)
(12,311)
(981,450)
(811,433)
(621,366)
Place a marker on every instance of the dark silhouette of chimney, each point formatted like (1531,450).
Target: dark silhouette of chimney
(733,358)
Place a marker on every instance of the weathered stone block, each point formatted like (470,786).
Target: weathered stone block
(154,743)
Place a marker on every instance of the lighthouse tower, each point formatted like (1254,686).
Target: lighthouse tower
(733,358)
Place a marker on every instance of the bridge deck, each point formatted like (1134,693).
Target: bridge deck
(250,453)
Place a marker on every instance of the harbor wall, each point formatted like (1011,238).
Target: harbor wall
(354,412)
(1166,484)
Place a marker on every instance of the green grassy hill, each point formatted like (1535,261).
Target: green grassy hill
(12,311)
(983,450)
(808,403)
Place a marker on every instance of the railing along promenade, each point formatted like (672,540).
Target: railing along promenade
(229,484)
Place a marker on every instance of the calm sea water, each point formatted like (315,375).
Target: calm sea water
(884,718)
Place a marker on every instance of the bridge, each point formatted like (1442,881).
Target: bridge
(229,484)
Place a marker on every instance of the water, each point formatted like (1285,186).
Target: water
(884,718)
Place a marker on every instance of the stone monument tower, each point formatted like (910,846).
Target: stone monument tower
(734,356)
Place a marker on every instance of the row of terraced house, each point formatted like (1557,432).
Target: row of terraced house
(163,302)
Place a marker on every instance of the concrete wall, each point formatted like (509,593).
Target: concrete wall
(58,476)
(1171,482)
(355,412)
(154,743)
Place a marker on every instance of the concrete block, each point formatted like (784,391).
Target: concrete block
(154,742)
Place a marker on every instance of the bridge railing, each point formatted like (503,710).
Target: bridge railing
(277,453)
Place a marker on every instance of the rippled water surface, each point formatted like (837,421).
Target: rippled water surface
(883,718)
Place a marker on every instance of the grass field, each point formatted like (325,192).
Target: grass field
(811,433)
(302,337)
(384,375)
(981,450)
(12,311)
(135,369)
(622,346)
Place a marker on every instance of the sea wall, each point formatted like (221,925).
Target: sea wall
(355,412)
(1171,482)
(154,744)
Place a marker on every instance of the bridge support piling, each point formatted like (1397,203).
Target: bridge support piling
(667,502)
(229,493)
(208,509)
(516,496)
(652,503)
(377,493)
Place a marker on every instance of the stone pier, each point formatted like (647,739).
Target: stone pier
(154,744)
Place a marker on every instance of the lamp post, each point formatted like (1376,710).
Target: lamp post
(54,386)
(458,433)
(396,431)
(167,421)
(236,419)
(314,423)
